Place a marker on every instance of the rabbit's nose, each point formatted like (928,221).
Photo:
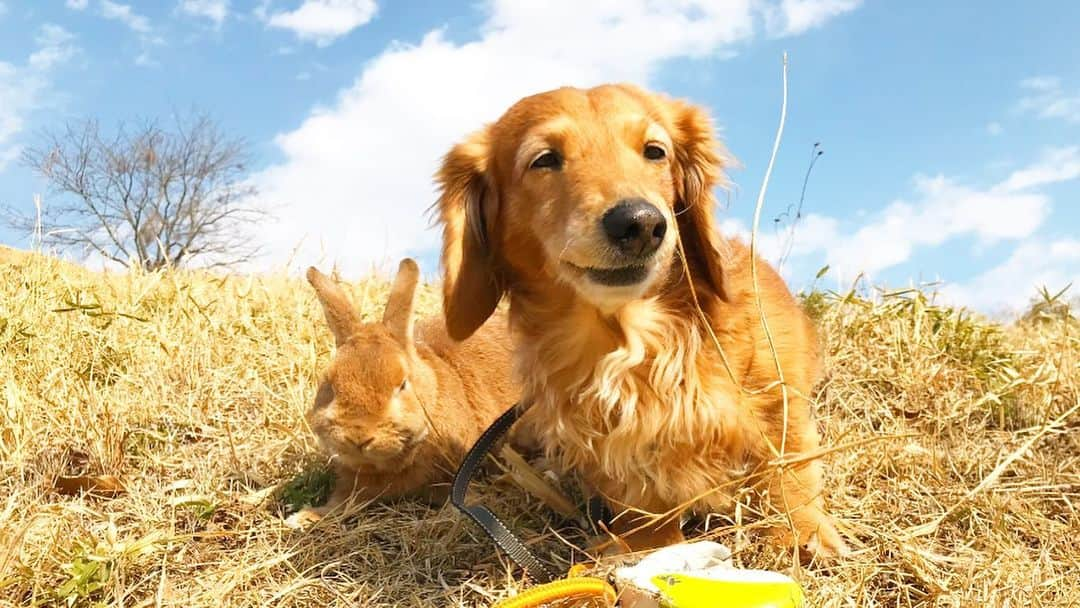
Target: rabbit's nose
(364,444)
(413,437)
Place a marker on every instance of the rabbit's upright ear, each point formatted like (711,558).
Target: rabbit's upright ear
(398,316)
(343,319)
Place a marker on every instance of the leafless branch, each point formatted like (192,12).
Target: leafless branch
(146,195)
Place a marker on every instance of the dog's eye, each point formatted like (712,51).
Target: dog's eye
(655,152)
(548,159)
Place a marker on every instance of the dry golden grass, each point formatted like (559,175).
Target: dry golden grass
(189,390)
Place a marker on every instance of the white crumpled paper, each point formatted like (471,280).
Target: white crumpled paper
(704,558)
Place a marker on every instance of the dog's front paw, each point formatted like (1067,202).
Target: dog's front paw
(818,539)
(825,544)
(303,518)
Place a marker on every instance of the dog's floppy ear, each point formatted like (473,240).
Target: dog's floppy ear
(699,162)
(466,208)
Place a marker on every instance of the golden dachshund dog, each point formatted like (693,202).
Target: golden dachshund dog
(638,335)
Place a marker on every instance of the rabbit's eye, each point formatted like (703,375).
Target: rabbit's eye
(325,395)
(404,385)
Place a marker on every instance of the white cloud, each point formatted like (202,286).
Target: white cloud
(942,210)
(55,46)
(123,13)
(137,23)
(813,233)
(1056,165)
(357,176)
(994,128)
(1041,83)
(13,102)
(1035,263)
(1046,98)
(262,9)
(145,60)
(214,10)
(794,17)
(23,89)
(77,5)
(324,21)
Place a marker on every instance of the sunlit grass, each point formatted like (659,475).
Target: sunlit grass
(189,390)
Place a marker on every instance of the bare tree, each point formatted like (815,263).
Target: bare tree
(146,196)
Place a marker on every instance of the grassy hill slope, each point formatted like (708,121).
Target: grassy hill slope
(952,479)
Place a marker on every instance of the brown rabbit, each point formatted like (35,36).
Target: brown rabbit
(398,407)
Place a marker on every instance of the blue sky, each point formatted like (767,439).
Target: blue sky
(950,130)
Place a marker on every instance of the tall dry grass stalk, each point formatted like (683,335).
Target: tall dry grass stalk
(177,397)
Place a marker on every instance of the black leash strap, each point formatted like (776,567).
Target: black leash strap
(480,514)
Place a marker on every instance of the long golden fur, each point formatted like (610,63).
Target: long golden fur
(629,387)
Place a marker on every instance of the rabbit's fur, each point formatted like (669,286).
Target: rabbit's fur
(401,402)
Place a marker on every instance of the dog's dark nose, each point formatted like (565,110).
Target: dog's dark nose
(635,226)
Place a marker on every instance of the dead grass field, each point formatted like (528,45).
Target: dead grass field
(959,484)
